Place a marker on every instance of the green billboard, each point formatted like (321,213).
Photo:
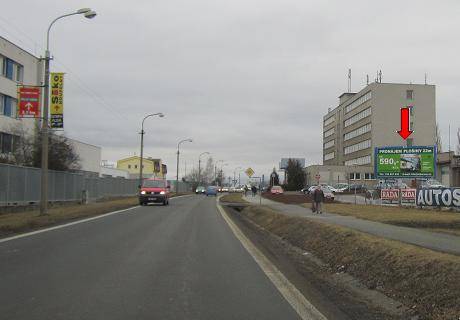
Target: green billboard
(405,162)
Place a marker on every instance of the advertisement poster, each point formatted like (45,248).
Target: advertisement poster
(57,100)
(405,162)
(28,102)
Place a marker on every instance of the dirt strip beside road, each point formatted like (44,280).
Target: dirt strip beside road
(424,280)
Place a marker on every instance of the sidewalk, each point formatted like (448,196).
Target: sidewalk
(431,240)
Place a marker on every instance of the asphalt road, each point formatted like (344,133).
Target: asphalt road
(155,262)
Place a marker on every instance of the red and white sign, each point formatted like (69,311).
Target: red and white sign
(29,102)
(408,194)
(389,194)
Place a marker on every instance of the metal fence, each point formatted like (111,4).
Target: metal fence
(21,185)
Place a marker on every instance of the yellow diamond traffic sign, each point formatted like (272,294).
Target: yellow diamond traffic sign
(249,172)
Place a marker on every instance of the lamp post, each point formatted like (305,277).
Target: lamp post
(234,175)
(199,166)
(222,172)
(159,114)
(88,13)
(215,171)
(177,171)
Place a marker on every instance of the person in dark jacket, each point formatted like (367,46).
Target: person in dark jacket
(254,191)
(318,199)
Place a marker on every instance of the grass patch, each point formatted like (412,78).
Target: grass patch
(233,198)
(422,279)
(11,223)
(448,222)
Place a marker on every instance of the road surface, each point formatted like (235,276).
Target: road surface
(155,262)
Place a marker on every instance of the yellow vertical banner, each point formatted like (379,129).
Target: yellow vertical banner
(57,100)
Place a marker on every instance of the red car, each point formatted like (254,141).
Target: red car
(276,190)
(154,190)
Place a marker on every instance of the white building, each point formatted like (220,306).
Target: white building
(17,66)
(90,156)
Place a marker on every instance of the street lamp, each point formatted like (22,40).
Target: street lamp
(87,13)
(234,176)
(159,114)
(199,166)
(177,171)
(222,172)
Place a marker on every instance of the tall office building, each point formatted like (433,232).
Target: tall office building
(371,117)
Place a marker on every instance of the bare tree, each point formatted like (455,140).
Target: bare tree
(27,151)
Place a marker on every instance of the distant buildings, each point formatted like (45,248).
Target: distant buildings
(151,167)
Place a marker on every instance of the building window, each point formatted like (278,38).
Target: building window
(411,110)
(135,166)
(355,133)
(329,132)
(329,120)
(358,161)
(366,97)
(363,114)
(7,142)
(329,156)
(410,94)
(410,142)
(352,176)
(8,106)
(11,69)
(357,147)
(129,166)
(329,144)
(369,176)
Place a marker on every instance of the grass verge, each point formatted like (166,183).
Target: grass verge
(424,280)
(12,223)
(448,222)
(233,198)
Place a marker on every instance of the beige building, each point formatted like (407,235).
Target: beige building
(152,168)
(371,117)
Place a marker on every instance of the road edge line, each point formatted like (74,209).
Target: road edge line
(293,296)
(104,215)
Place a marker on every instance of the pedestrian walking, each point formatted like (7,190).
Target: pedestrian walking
(318,199)
(254,191)
(245,190)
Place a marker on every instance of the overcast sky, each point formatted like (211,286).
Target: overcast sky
(248,80)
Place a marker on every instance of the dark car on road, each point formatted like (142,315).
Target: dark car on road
(154,190)
(200,190)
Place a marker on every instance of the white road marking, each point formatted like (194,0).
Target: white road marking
(293,296)
(28,234)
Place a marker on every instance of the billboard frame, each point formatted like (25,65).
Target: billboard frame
(435,157)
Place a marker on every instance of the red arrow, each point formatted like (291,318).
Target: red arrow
(405,119)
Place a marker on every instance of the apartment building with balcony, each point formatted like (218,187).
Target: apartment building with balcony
(371,117)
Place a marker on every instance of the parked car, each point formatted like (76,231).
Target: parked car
(211,191)
(357,187)
(276,190)
(305,190)
(200,190)
(341,187)
(154,190)
(328,194)
(224,189)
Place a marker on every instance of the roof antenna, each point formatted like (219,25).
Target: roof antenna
(349,80)
(367,79)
